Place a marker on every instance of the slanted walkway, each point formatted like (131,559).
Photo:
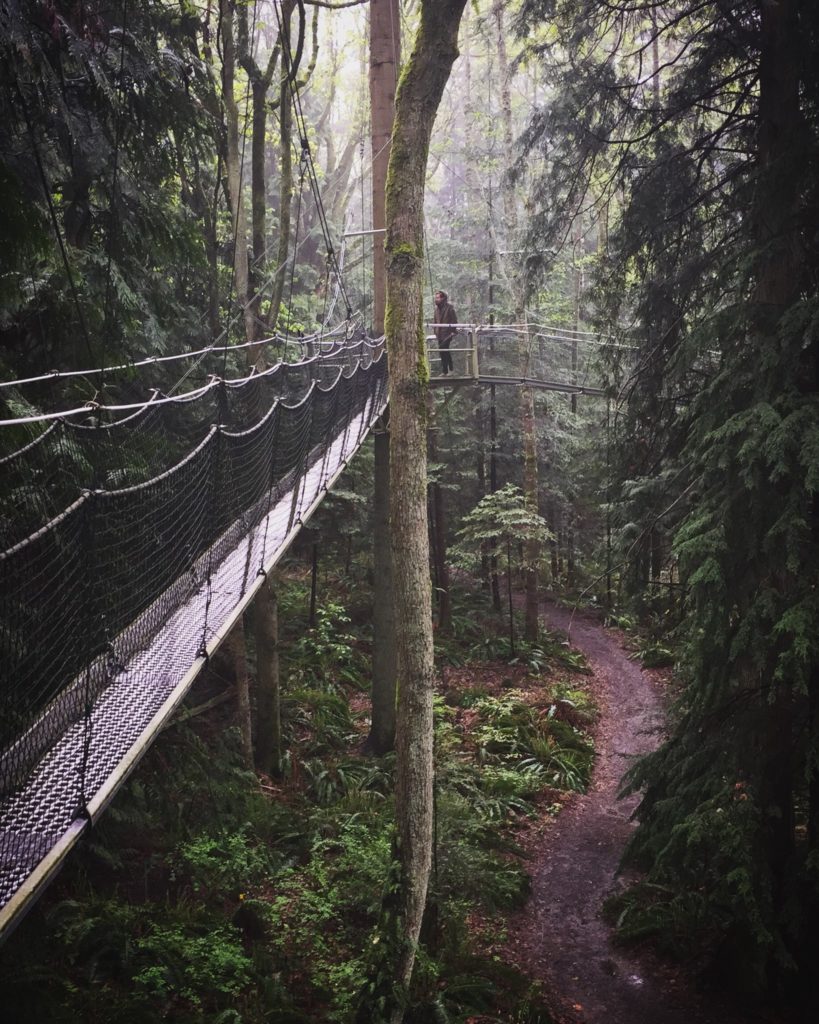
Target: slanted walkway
(110,713)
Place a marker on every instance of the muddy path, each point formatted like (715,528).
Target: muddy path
(561,937)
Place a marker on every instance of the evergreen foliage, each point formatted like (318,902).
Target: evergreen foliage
(500,516)
(209,894)
(109,120)
(695,131)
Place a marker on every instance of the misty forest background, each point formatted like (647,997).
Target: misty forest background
(643,176)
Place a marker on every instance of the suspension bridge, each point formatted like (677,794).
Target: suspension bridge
(110,609)
(136,535)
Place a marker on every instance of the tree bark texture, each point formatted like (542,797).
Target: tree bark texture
(527,396)
(237,652)
(233,163)
(285,197)
(385,59)
(385,52)
(419,94)
(530,496)
(260,82)
(509,209)
(268,706)
(439,534)
(382,727)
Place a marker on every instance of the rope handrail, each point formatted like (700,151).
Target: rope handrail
(214,382)
(280,339)
(105,615)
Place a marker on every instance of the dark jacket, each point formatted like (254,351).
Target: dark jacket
(445,314)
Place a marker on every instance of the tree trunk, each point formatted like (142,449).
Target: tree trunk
(268,704)
(530,491)
(509,208)
(527,397)
(382,727)
(813,769)
(233,163)
(210,214)
(481,473)
(311,618)
(285,178)
(237,653)
(258,206)
(530,495)
(493,486)
(385,51)
(419,95)
(385,58)
(439,536)
(577,288)
(552,519)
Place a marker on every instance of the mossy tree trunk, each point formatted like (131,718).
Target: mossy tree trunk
(385,50)
(382,729)
(419,94)
(385,55)
(233,164)
(285,178)
(443,600)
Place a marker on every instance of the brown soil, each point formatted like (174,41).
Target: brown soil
(560,937)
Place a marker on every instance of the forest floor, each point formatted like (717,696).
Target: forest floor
(561,937)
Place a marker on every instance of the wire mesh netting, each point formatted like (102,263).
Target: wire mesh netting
(129,548)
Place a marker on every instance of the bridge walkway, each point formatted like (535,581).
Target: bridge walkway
(58,776)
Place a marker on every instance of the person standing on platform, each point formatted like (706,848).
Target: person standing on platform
(446,316)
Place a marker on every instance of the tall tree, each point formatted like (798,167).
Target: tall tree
(260,82)
(419,94)
(385,60)
(385,54)
(517,287)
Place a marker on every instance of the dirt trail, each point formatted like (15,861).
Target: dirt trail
(562,937)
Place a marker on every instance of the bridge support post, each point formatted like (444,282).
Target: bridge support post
(475,366)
